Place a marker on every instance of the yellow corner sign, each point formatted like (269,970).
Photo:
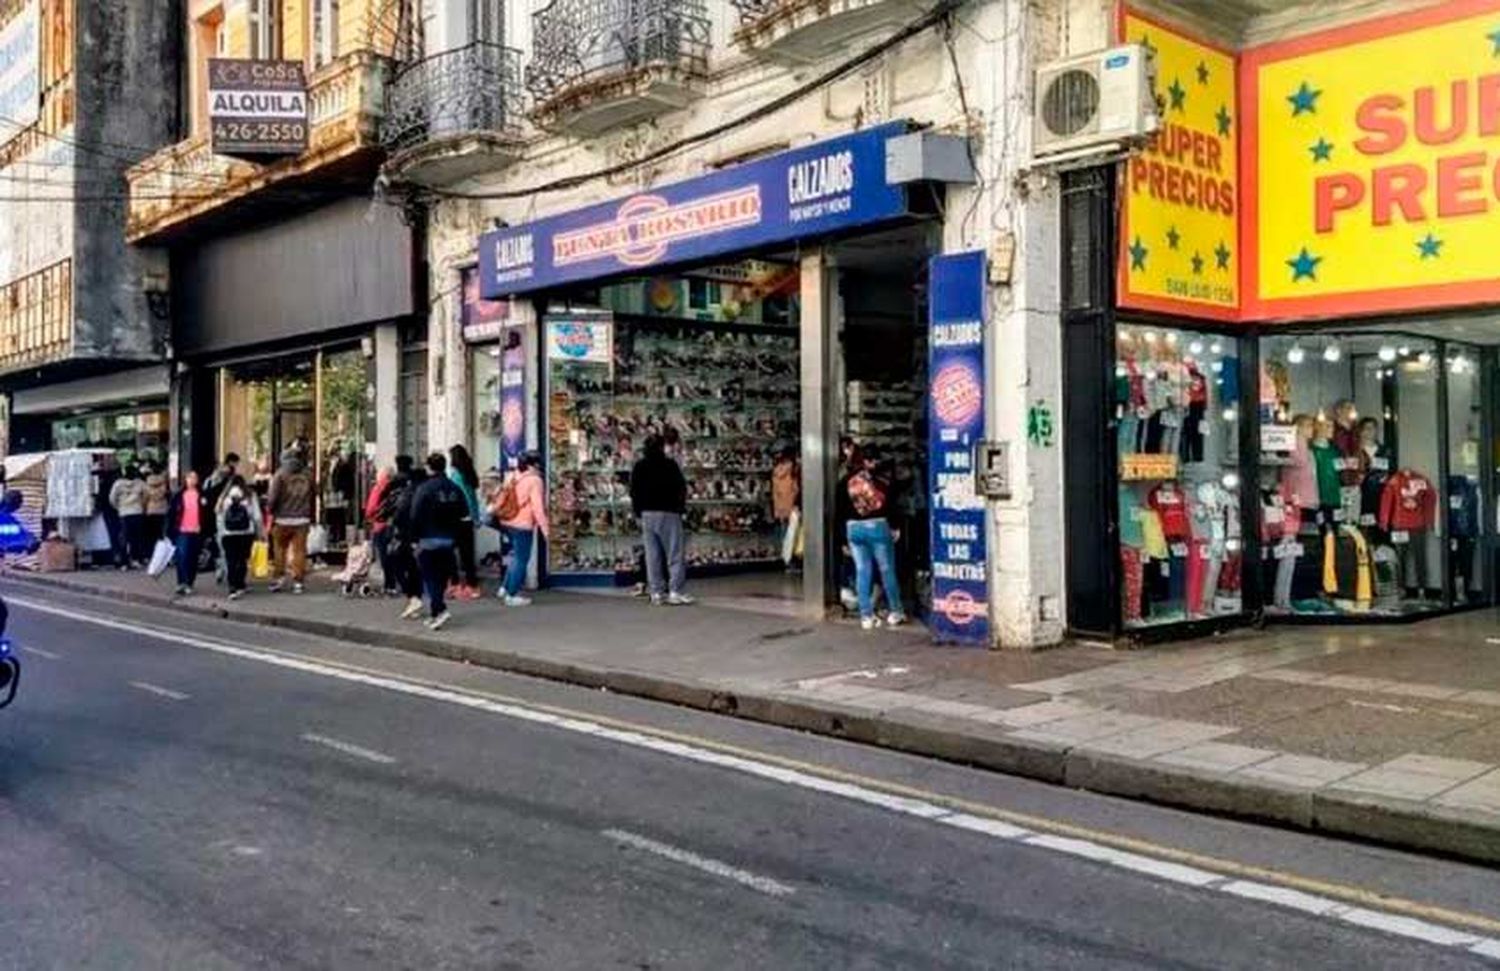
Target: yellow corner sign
(1179,235)
(1375,151)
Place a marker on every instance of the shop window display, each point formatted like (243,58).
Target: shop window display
(1177,420)
(1349,475)
(1464,495)
(725,392)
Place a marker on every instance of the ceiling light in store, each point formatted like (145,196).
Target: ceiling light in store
(1424,358)
(1216,347)
(1331,353)
(1216,366)
(1150,336)
(1121,371)
(1196,347)
(1171,338)
(1230,414)
(1231,480)
(1404,351)
(1387,353)
(1296,354)
(1459,364)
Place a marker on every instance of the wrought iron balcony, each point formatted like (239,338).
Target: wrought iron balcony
(805,31)
(451,114)
(601,63)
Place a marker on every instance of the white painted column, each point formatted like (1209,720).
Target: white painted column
(387,393)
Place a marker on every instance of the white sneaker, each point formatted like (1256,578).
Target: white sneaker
(413,609)
(680,600)
(437,622)
(236,594)
(278,586)
(296,588)
(657,600)
(893,619)
(869,623)
(518,601)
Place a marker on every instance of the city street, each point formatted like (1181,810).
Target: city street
(186,792)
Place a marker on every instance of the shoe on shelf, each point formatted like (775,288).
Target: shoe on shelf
(437,622)
(869,623)
(413,609)
(680,600)
(517,601)
(895,619)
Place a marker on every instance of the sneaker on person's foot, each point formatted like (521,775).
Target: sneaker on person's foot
(639,591)
(236,594)
(437,622)
(183,591)
(278,586)
(869,623)
(296,588)
(517,601)
(469,593)
(895,619)
(413,609)
(657,600)
(680,600)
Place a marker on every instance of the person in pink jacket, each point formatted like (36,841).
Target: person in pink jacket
(527,515)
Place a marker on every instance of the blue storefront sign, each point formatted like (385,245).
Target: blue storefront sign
(960,568)
(822,188)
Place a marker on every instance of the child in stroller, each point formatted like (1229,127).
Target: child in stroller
(354,579)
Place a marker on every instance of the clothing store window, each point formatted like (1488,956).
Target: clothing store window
(1465,503)
(1177,411)
(1349,475)
(345,435)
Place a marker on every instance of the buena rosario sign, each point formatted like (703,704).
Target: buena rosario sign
(823,188)
(257,108)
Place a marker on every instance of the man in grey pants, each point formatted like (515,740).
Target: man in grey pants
(658,495)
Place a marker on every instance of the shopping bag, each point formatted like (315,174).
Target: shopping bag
(161,557)
(260,559)
(317,540)
(789,541)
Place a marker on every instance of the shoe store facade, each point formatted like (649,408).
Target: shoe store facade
(770,308)
(1285,375)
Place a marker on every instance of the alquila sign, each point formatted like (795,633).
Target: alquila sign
(257,108)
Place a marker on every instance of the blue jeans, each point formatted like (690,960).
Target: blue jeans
(186,557)
(872,544)
(521,541)
(435,561)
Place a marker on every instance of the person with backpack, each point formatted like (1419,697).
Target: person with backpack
(521,510)
(658,497)
(865,510)
(290,503)
(240,525)
(438,511)
(213,491)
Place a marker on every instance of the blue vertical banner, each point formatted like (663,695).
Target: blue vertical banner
(955,407)
(512,398)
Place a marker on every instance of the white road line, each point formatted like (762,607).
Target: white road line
(158,690)
(41,653)
(1316,904)
(754,881)
(349,748)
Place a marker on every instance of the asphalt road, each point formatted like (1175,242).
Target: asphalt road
(227,796)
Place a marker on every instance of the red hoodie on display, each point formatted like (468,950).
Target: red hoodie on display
(1408,504)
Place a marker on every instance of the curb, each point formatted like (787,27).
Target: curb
(1469,834)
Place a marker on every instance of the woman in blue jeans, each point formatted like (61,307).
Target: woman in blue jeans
(521,522)
(866,503)
(185,526)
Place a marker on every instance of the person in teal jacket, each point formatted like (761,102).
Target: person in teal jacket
(461,470)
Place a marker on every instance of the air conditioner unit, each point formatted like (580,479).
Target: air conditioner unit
(1104,100)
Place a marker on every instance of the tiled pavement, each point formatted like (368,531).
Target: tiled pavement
(1390,732)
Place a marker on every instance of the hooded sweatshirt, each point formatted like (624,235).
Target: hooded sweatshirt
(290,500)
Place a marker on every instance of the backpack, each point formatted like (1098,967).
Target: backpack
(866,493)
(390,502)
(507,505)
(237,517)
(450,508)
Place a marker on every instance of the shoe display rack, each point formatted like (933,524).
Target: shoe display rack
(729,392)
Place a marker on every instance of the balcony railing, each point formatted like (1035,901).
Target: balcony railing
(36,317)
(470,90)
(577,44)
(807,30)
(185,180)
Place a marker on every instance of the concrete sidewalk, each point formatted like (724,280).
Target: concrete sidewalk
(1385,733)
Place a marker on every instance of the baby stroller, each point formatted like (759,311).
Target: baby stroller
(354,579)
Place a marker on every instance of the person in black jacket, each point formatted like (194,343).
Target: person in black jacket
(437,511)
(658,496)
